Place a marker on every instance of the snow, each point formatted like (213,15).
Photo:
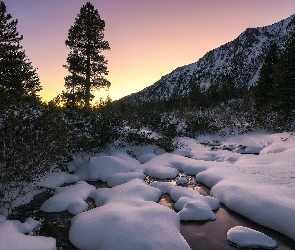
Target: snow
(2,218)
(101,168)
(182,180)
(134,190)
(146,153)
(249,238)
(130,214)
(52,179)
(196,210)
(29,192)
(150,134)
(121,178)
(56,178)
(250,47)
(161,172)
(259,186)
(13,236)
(182,195)
(167,166)
(71,198)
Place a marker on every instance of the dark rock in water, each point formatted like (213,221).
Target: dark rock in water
(229,147)
(56,225)
(242,149)
(98,184)
(214,148)
(91,203)
(248,150)
(213,143)
(23,212)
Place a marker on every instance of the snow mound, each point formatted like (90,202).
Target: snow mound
(167,166)
(183,195)
(101,168)
(248,238)
(132,191)
(196,210)
(71,198)
(161,172)
(125,226)
(146,153)
(182,180)
(12,236)
(127,218)
(121,178)
(57,178)
(143,158)
(210,201)
(183,152)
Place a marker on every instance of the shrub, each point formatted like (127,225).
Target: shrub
(198,125)
(32,140)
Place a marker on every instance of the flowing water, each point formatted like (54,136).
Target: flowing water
(206,235)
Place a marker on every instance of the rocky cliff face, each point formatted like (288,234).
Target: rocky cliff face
(240,59)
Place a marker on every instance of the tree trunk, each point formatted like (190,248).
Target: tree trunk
(87,89)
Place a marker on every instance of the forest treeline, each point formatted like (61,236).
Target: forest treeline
(36,137)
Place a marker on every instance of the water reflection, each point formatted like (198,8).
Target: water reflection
(208,235)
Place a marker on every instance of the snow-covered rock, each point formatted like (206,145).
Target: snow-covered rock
(71,198)
(244,237)
(13,236)
(121,178)
(196,210)
(167,166)
(182,195)
(133,190)
(101,168)
(182,180)
(127,218)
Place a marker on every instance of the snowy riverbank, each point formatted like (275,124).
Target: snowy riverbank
(260,187)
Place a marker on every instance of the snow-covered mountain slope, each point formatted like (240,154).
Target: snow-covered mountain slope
(240,59)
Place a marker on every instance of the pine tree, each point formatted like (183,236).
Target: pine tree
(285,80)
(228,89)
(86,64)
(18,79)
(264,91)
(213,93)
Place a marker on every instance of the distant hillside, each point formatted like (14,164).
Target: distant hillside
(240,59)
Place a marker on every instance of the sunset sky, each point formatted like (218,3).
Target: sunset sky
(148,38)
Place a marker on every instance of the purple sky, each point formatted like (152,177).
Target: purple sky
(148,39)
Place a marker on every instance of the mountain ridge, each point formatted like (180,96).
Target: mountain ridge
(240,59)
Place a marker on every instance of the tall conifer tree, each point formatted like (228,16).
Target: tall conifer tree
(18,79)
(265,89)
(285,82)
(86,64)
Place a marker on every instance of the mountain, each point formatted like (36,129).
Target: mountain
(240,59)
